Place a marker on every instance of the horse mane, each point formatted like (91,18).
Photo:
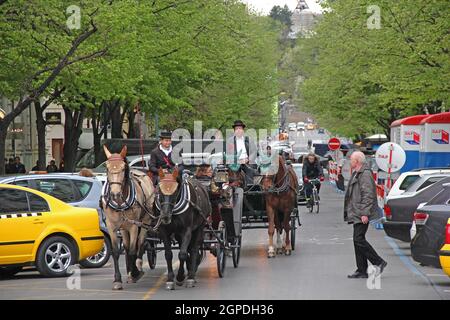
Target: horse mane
(281,169)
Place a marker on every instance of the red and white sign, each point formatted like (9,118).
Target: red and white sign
(440,136)
(334,144)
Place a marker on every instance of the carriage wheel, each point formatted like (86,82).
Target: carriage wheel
(151,255)
(220,250)
(293,231)
(236,251)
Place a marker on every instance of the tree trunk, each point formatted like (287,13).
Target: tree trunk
(131,132)
(116,121)
(3,133)
(97,116)
(73,129)
(40,127)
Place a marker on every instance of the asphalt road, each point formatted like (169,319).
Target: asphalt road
(317,269)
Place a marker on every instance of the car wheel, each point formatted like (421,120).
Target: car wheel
(8,272)
(55,256)
(100,259)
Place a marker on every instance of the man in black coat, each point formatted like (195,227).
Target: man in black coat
(18,166)
(161,156)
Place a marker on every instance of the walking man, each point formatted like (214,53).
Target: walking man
(360,206)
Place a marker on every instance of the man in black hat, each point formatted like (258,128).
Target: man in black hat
(160,157)
(243,149)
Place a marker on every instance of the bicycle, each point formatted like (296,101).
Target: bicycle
(315,199)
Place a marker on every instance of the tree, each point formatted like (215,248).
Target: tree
(368,77)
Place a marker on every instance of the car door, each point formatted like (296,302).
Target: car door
(20,225)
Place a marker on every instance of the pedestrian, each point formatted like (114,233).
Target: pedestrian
(360,206)
(18,166)
(36,167)
(10,168)
(85,172)
(52,167)
(61,166)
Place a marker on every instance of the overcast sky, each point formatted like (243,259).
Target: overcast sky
(266,5)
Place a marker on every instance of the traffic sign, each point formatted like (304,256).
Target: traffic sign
(334,144)
(390,157)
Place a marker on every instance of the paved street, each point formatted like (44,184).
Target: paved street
(316,270)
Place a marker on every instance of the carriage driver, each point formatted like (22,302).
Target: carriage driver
(160,157)
(242,145)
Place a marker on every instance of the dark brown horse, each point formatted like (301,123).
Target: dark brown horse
(279,181)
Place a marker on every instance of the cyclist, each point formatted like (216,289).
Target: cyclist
(311,170)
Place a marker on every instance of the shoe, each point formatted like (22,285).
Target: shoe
(358,275)
(381,267)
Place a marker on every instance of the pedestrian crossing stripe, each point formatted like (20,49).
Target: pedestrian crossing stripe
(20,215)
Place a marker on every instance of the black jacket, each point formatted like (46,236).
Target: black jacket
(158,159)
(312,170)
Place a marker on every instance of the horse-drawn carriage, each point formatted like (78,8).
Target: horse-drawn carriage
(195,213)
(223,231)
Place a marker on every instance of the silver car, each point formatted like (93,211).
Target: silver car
(75,190)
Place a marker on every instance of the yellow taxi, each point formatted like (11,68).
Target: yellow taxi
(444,254)
(39,230)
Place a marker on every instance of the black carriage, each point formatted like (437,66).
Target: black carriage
(254,215)
(223,233)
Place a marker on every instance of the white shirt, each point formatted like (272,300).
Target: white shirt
(240,147)
(166,151)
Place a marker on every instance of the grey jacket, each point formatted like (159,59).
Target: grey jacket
(361,196)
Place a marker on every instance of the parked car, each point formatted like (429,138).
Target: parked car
(74,190)
(310,126)
(134,162)
(40,230)
(444,253)
(301,199)
(399,212)
(430,222)
(406,179)
(321,131)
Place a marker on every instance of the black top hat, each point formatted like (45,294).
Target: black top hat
(165,135)
(238,123)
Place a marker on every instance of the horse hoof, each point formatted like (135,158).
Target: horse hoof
(117,286)
(170,286)
(271,255)
(139,264)
(279,251)
(139,276)
(180,283)
(190,283)
(288,252)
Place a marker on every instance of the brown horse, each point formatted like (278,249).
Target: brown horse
(280,185)
(127,199)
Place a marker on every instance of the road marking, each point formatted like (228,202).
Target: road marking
(437,275)
(80,290)
(159,283)
(406,261)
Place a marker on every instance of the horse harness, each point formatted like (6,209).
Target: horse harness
(128,204)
